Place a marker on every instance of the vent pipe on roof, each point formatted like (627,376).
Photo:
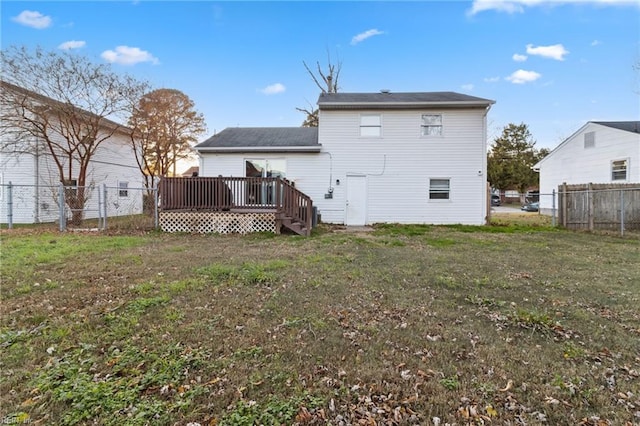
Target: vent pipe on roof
(385,91)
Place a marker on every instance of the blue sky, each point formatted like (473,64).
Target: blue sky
(551,64)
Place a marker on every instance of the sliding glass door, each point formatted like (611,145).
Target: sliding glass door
(263,192)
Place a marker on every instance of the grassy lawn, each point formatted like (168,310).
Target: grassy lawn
(509,324)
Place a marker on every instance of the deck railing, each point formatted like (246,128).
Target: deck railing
(236,194)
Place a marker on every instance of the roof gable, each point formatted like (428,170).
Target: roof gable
(405,100)
(272,139)
(627,126)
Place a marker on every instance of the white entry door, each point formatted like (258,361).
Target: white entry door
(356,200)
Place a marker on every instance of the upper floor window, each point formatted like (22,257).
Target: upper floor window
(619,169)
(370,125)
(590,139)
(431,125)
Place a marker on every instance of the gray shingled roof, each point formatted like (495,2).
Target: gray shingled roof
(628,126)
(280,139)
(399,100)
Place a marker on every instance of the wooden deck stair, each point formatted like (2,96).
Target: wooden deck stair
(292,224)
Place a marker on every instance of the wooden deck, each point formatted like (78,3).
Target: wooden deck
(218,199)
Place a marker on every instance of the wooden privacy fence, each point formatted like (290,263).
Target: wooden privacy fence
(237,194)
(599,206)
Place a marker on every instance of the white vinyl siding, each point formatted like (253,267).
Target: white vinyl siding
(398,168)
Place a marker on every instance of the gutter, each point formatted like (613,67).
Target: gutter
(235,149)
(400,105)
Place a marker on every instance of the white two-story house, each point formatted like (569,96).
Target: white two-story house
(375,157)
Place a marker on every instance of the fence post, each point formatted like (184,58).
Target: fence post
(156,189)
(62,218)
(553,207)
(622,212)
(10,206)
(100,209)
(104,194)
(590,204)
(564,195)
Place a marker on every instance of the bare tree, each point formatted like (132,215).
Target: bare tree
(65,105)
(164,126)
(327,82)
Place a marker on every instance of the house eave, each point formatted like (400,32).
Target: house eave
(241,149)
(403,105)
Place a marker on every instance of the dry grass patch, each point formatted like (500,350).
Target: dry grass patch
(403,325)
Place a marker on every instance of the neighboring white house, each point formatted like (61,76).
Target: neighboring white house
(374,158)
(599,152)
(30,169)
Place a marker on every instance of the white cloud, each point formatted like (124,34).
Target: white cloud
(365,35)
(33,19)
(125,55)
(273,89)
(519,58)
(467,87)
(519,6)
(522,77)
(556,51)
(492,79)
(596,43)
(72,44)
(499,5)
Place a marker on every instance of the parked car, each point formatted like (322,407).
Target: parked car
(495,200)
(531,207)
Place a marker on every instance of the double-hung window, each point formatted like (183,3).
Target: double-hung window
(370,125)
(619,169)
(431,125)
(439,189)
(123,189)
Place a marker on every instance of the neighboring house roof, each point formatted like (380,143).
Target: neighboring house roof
(5,85)
(190,171)
(389,100)
(626,126)
(262,139)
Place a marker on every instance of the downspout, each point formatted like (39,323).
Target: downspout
(486,202)
(36,197)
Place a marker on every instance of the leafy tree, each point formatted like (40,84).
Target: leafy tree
(511,158)
(63,105)
(327,82)
(165,124)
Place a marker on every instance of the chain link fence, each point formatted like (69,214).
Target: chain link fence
(96,207)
